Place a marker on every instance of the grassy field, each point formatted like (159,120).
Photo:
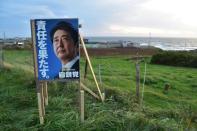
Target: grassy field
(172,110)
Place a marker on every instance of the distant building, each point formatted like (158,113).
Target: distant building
(112,44)
(20,44)
(125,43)
(85,40)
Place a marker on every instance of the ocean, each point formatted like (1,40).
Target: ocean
(163,43)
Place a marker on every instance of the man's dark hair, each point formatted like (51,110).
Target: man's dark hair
(66,27)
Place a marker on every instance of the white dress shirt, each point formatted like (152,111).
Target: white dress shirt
(68,65)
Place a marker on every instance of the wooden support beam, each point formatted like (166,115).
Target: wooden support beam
(90,65)
(89,91)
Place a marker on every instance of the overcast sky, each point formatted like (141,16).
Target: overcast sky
(163,18)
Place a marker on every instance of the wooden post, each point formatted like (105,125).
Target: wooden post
(38,84)
(138,81)
(42,97)
(40,108)
(86,69)
(40,102)
(82,105)
(45,93)
(103,95)
(90,65)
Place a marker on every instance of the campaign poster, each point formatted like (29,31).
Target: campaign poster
(56,49)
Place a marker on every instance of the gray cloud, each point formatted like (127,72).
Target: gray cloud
(103,17)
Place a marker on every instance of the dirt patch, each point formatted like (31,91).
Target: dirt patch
(120,51)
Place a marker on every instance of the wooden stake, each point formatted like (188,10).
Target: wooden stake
(82,105)
(45,93)
(42,98)
(90,65)
(40,108)
(86,69)
(103,95)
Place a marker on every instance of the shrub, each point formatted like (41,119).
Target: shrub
(172,58)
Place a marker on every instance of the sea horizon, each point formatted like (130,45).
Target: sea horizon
(165,43)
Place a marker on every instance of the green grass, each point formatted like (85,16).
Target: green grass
(119,73)
(175,110)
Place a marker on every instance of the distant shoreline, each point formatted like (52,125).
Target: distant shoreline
(164,43)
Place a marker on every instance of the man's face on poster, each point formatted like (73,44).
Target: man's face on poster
(64,46)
